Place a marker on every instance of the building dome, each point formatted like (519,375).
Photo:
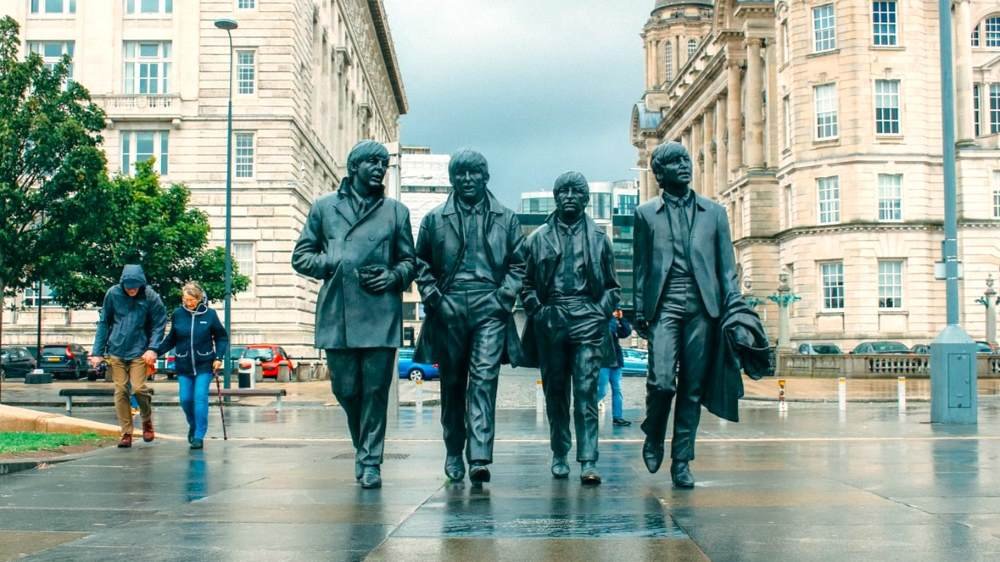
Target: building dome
(661,4)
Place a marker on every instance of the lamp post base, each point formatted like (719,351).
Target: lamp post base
(953,377)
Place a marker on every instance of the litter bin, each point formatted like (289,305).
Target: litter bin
(246,373)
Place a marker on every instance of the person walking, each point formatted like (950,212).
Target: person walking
(619,328)
(200,342)
(129,331)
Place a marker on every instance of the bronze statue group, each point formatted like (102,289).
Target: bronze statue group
(471,262)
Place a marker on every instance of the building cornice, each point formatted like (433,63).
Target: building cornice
(388,54)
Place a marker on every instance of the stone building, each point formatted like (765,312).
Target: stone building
(311,78)
(818,125)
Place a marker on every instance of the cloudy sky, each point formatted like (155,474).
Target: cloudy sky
(538,86)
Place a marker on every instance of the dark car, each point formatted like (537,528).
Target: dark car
(408,369)
(921,348)
(873,347)
(65,360)
(16,361)
(819,349)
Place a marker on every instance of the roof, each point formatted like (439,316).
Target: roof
(661,4)
(643,119)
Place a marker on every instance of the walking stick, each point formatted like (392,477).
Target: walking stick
(222,412)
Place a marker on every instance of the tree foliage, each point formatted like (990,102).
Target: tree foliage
(149,225)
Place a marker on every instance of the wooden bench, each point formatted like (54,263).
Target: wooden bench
(277,393)
(70,393)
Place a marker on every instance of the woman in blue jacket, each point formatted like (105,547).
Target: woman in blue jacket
(200,342)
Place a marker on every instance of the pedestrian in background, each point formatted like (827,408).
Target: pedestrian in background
(620,328)
(129,331)
(200,342)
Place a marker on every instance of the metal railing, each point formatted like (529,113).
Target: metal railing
(872,366)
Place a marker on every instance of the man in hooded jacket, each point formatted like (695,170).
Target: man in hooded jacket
(130,329)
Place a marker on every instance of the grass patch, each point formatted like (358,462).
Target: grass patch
(26,442)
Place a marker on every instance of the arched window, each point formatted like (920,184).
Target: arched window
(669,63)
(991,28)
(692,47)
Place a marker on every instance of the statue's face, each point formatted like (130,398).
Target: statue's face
(370,173)
(674,171)
(469,184)
(571,200)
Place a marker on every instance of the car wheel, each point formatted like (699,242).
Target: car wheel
(416,375)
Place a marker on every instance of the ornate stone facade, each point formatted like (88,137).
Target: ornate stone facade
(818,125)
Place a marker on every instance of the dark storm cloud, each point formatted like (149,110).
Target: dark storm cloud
(538,86)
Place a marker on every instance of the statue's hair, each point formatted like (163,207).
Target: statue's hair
(663,152)
(468,159)
(571,178)
(365,150)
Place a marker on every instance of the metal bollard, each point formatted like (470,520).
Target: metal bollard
(419,395)
(539,397)
(782,404)
(901,393)
(842,393)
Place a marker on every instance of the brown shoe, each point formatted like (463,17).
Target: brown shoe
(147,431)
(126,441)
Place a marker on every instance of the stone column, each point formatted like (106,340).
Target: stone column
(708,134)
(991,312)
(734,117)
(695,148)
(755,105)
(649,65)
(676,53)
(721,155)
(784,299)
(963,71)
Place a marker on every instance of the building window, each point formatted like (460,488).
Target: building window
(139,146)
(976,119)
(149,6)
(53,6)
(832,274)
(244,157)
(994,108)
(786,43)
(246,72)
(30,296)
(692,47)
(668,50)
(787,106)
(829,199)
(246,4)
(788,207)
(244,256)
(996,194)
(826,111)
(993,31)
(884,23)
(890,197)
(824,29)
(147,67)
(52,53)
(890,284)
(887,107)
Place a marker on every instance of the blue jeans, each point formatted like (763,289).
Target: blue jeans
(194,401)
(614,375)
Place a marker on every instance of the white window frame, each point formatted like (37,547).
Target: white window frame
(245,253)
(825,38)
(134,63)
(40,8)
(977,119)
(832,289)
(827,126)
(890,197)
(828,200)
(889,32)
(786,43)
(246,87)
(242,5)
(65,48)
(890,284)
(888,99)
(134,8)
(692,48)
(245,163)
(786,103)
(996,194)
(48,300)
(991,32)
(994,112)
(129,150)
(668,63)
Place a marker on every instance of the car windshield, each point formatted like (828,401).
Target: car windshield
(826,349)
(54,350)
(983,347)
(236,352)
(888,346)
(405,354)
(263,353)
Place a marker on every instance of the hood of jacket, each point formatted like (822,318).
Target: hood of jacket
(133,277)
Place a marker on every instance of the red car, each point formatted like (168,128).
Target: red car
(269,356)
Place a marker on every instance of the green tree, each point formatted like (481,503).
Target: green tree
(50,161)
(149,225)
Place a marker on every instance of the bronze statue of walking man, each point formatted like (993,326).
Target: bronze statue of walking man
(469,279)
(570,290)
(359,242)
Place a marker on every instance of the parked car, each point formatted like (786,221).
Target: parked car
(866,347)
(921,348)
(636,362)
(167,364)
(16,361)
(415,371)
(811,348)
(269,356)
(65,360)
(985,347)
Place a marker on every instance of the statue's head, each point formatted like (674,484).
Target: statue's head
(671,164)
(469,173)
(366,165)
(572,194)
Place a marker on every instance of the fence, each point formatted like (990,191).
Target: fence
(872,366)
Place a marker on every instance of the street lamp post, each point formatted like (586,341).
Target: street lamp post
(229,25)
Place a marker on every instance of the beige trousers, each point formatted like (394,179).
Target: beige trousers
(134,372)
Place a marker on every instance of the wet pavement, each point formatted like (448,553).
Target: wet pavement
(810,483)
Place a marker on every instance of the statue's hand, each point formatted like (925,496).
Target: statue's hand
(642,328)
